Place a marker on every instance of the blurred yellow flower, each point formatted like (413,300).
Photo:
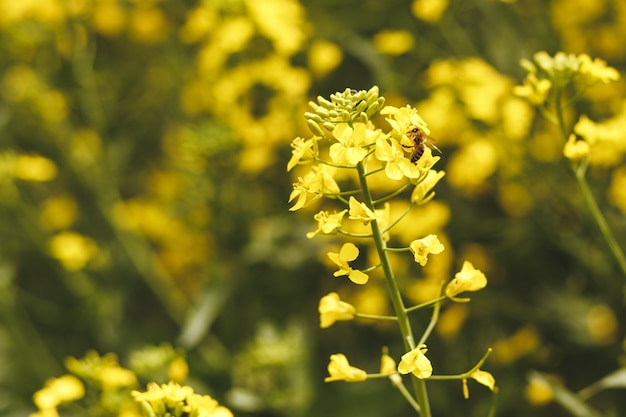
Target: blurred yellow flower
(108,17)
(416,362)
(348,253)
(332,309)
(281,21)
(57,391)
(424,246)
(72,249)
(534,90)
(393,42)
(617,189)
(538,391)
(575,149)
(323,57)
(178,369)
(34,168)
(340,370)
(147,24)
(303,151)
(429,10)
(403,119)
(58,212)
(467,279)
(597,70)
(327,223)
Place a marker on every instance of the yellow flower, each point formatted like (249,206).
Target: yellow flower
(393,42)
(72,249)
(468,279)
(416,362)
(313,186)
(387,363)
(323,57)
(429,10)
(482,377)
(340,370)
(398,165)
(575,149)
(59,390)
(422,192)
(332,309)
(534,90)
(597,70)
(422,247)
(348,253)
(359,211)
(403,119)
(34,168)
(327,223)
(303,151)
(349,150)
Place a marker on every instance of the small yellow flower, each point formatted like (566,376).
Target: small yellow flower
(416,362)
(327,223)
(482,377)
(468,279)
(313,186)
(576,149)
(34,168)
(332,309)
(348,253)
(73,250)
(340,370)
(349,150)
(403,119)
(423,191)
(359,211)
(393,42)
(387,363)
(422,247)
(304,151)
(534,90)
(398,165)
(59,390)
(597,70)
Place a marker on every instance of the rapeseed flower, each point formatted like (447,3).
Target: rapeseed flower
(421,248)
(340,370)
(348,253)
(327,223)
(482,377)
(416,362)
(575,149)
(304,151)
(468,279)
(351,141)
(313,186)
(332,309)
(359,211)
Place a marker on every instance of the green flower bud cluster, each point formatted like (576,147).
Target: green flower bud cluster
(349,106)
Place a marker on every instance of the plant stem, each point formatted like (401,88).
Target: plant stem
(419,385)
(579,173)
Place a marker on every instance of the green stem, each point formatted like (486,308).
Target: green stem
(579,173)
(419,385)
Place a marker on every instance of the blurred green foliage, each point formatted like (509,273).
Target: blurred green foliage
(143,194)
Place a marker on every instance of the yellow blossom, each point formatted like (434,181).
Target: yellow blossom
(72,249)
(340,370)
(597,70)
(34,168)
(313,186)
(482,377)
(303,151)
(359,211)
(387,363)
(575,149)
(398,165)
(468,279)
(416,362)
(323,57)
(535,90)
(347,253)
(59,390)
(422,247)
(422,192)
(403,119)
(429,10)
(393,42)
(349,150)
(332,309)
(327,223)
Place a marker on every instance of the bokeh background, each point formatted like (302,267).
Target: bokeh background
(143,195)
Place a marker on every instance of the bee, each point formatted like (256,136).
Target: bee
(420,141)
